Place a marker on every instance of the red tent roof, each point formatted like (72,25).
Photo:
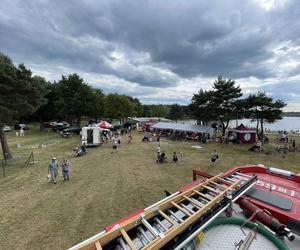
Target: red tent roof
(242,127)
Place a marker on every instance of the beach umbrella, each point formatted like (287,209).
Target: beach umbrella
(104,124)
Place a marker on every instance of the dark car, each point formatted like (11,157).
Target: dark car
(73,130)
(21,125)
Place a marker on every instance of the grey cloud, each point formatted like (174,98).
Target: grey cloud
(162,42)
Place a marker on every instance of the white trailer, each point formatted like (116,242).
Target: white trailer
(92,135)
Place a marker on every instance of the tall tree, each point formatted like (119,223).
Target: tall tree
(138,107)
(97,104)
(43,111)
(217,104)
(76,95)
(118,106)
(202,106)
(176,112)
(155,110)
(225,100)
(263,108)
(20,95)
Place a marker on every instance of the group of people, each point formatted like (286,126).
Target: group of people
(256,147)
(20,133)
(183,135)
(162,158)
(116,141)
(53,169)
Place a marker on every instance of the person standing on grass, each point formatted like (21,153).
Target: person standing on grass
(114,144)
(21,132)
(119,139)
(129,137)
(214,156)
(52,169)
(65,169)
(175,158)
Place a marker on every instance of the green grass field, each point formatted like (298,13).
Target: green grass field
(36,214)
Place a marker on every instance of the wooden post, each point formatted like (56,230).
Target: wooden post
(3,167)
(32,157)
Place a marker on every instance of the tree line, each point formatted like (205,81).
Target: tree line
(71,98)
(224,103)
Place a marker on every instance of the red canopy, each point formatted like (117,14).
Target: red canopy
(243,134)
(104,124)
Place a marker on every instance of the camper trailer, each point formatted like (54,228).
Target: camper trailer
(92,135)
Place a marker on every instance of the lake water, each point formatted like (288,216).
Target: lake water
(287,123)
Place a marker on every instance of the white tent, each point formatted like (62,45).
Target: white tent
(184,127)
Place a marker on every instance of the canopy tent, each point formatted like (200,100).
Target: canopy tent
(242,134)
(104,124)
(183,127)
(148,119)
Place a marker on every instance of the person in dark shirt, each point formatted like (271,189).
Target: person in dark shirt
(175,158)
(163,157)
(214,156)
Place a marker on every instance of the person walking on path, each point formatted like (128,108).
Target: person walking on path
(52,169)
(214,156)
(65,165)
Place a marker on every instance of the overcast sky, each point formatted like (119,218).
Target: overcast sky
(161,51)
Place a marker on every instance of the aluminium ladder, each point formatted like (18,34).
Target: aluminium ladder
(168,222)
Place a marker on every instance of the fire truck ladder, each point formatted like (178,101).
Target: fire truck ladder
(170,223)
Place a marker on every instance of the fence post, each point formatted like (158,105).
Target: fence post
(32,157)
(3,167)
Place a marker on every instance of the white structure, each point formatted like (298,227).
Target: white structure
(184,127)
(92,135)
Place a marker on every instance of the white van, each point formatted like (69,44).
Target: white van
(92,135)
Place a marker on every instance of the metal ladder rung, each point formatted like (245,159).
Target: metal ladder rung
(122,243)
(142,232)
(160,223)
(240,177)
(187,208)
(188,213)
(175,216)
(141,239)
(211,189)
(220,185)
(127,239)
(169,219)
(98,246)
(151,229)
(233,178)
(225,179)
(203,195)
(195,202)
(245,175)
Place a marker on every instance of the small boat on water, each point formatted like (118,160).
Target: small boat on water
(202,207)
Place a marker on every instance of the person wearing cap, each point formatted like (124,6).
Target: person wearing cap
(52,169)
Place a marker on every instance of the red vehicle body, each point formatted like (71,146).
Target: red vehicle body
(277,191)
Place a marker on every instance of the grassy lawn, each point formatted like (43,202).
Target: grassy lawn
(36,214)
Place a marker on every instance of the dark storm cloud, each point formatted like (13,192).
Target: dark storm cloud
(155,43)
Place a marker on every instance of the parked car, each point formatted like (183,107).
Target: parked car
(21,125)
(60,126)
(73,130)
(6,128)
